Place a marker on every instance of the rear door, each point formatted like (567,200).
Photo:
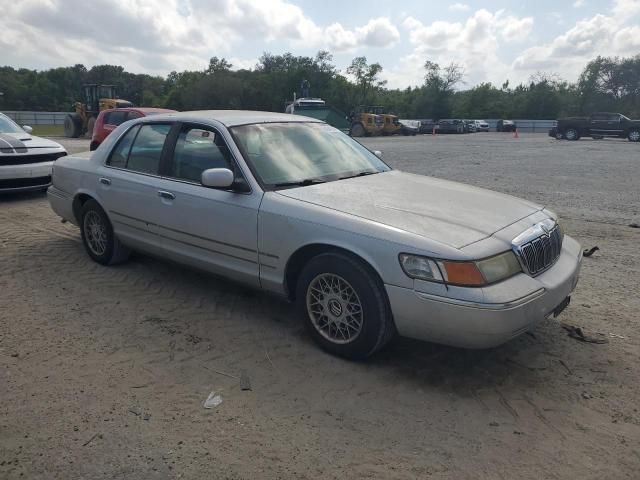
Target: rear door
(210,228)
(129,183)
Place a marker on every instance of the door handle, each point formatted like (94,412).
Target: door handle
(105,181)
(167,195)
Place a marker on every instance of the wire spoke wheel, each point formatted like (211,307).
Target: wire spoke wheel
(634,135)
(334,308)
(95,232)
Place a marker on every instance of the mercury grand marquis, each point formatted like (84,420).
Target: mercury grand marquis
(290,205)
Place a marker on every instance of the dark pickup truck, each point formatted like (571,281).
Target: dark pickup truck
(598,125)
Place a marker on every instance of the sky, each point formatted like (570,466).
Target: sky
(493,40)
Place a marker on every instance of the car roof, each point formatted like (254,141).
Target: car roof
(140,109)
(231,118)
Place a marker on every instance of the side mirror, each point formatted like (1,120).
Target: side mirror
(27,128)
(377,153)
(217,178)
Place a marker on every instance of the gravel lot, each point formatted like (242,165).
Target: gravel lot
(104,370)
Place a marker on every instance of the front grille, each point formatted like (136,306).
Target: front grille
(24,159)
(25,182)
(540,253)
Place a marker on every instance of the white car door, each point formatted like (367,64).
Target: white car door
(209,228)
(129,183)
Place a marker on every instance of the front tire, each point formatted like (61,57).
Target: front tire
(344,306)
(72,125)
(571,134)
(99,240)
(634,135)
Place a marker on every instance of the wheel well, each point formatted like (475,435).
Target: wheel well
(300,257)
(78,203)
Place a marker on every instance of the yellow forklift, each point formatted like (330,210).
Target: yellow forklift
(96,99)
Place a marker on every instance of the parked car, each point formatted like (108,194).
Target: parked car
(410,127)
(428,126)
(295,207)
(25,160)
(598,125)
(506,126)
(481,126)
(470,126)
(450,126)
(108,120)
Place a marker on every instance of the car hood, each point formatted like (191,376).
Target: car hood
(447,212)
(23,140)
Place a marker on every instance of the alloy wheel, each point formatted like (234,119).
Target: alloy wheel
(334,308)
(95,232)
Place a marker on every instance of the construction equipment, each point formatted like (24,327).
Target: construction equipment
(96,98)
(391,123)
(365,123)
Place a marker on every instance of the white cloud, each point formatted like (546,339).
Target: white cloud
(578,3)
(474,44)
(157,36)
(459,7)
(567,54)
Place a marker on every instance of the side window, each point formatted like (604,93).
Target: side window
(120,153)
(599,117)
(198,150)
(146,150)
(614,118)
(133,115)
(369,120)
(115,118)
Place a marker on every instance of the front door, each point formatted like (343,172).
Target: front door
(606,124)
(209,228)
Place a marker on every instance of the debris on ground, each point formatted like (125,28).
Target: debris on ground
(634,225)
(615,335)
(587,252)
(586,395)
(245,382)
(91,439)
(578,334)
(212,401)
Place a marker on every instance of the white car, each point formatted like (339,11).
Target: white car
(293,206)
(26,161)
(481,126)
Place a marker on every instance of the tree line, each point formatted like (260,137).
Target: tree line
(606,84)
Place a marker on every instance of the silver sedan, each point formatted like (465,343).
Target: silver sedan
(291,205)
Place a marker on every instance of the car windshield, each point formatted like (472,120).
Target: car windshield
(9,126)
(301,153)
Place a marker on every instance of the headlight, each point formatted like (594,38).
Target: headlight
(499,267)
(467,274)
(423,268)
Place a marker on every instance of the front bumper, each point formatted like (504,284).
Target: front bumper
(483,325)
(32,176)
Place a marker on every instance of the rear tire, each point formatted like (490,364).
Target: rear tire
(99,240)
(634,135)
(357,130)
(344,306)
(571,134)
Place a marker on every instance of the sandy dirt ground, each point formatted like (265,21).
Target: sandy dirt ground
(104,371)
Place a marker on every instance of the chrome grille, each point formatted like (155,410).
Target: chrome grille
(538,253)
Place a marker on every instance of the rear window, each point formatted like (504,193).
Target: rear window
(115,118)
(145,153)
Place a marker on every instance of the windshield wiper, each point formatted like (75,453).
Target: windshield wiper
(359,174)
(300,183)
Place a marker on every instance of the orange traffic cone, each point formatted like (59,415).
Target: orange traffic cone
(515,133)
